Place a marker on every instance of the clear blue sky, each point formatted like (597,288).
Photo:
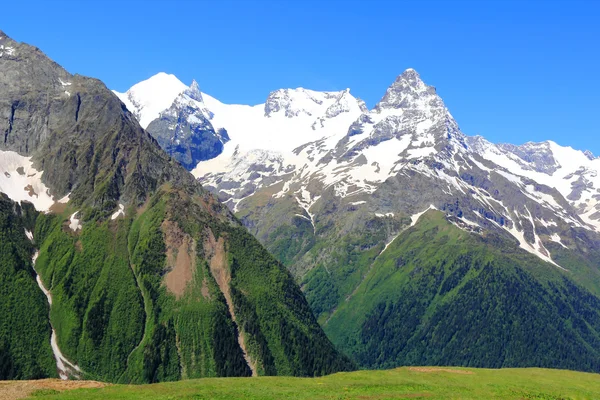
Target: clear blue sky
(512,71)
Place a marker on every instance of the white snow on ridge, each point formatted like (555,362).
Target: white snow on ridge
(414,218)
(21,182)
(118,213)
(250,128)
(573,168)
(74,223)
(271,139)
(536,248)
(274,131)
(65,199)
(306,200)
(389,214)
(147,99)
(556,238)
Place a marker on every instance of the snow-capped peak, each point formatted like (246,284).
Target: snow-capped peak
(148,98)
(192,100)
(409,92)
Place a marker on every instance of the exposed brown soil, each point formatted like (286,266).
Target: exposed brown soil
(58,208)
(432,369)
(214,251)
(30,191)
(181,258)
(13,390)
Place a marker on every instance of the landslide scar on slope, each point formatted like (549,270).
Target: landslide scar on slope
(214,251)
(181,258)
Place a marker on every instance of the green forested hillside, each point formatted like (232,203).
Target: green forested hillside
(24,329)
(439,295)
(121,317)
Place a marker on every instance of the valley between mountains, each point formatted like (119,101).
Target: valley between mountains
(179,237)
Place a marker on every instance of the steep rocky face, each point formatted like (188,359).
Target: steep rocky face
(184,130)
(80,135)
(124,247)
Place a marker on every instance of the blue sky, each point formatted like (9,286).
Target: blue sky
(512,71)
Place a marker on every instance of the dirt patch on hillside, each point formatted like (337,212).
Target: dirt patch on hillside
(432,369)
(181,258)
(214,251)
(58,208)
(13,390)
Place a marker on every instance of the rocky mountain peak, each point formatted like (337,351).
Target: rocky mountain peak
(409,92)
(194,91)
(410,75)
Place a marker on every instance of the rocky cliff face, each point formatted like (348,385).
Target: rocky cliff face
(184,130)
(80,135)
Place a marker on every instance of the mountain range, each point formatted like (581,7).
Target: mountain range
(413,242)
(160,234)
(115,263)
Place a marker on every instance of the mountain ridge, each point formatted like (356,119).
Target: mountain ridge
(409,105)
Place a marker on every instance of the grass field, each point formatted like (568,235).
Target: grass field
(401,383)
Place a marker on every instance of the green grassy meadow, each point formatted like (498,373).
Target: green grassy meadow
(401,383)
